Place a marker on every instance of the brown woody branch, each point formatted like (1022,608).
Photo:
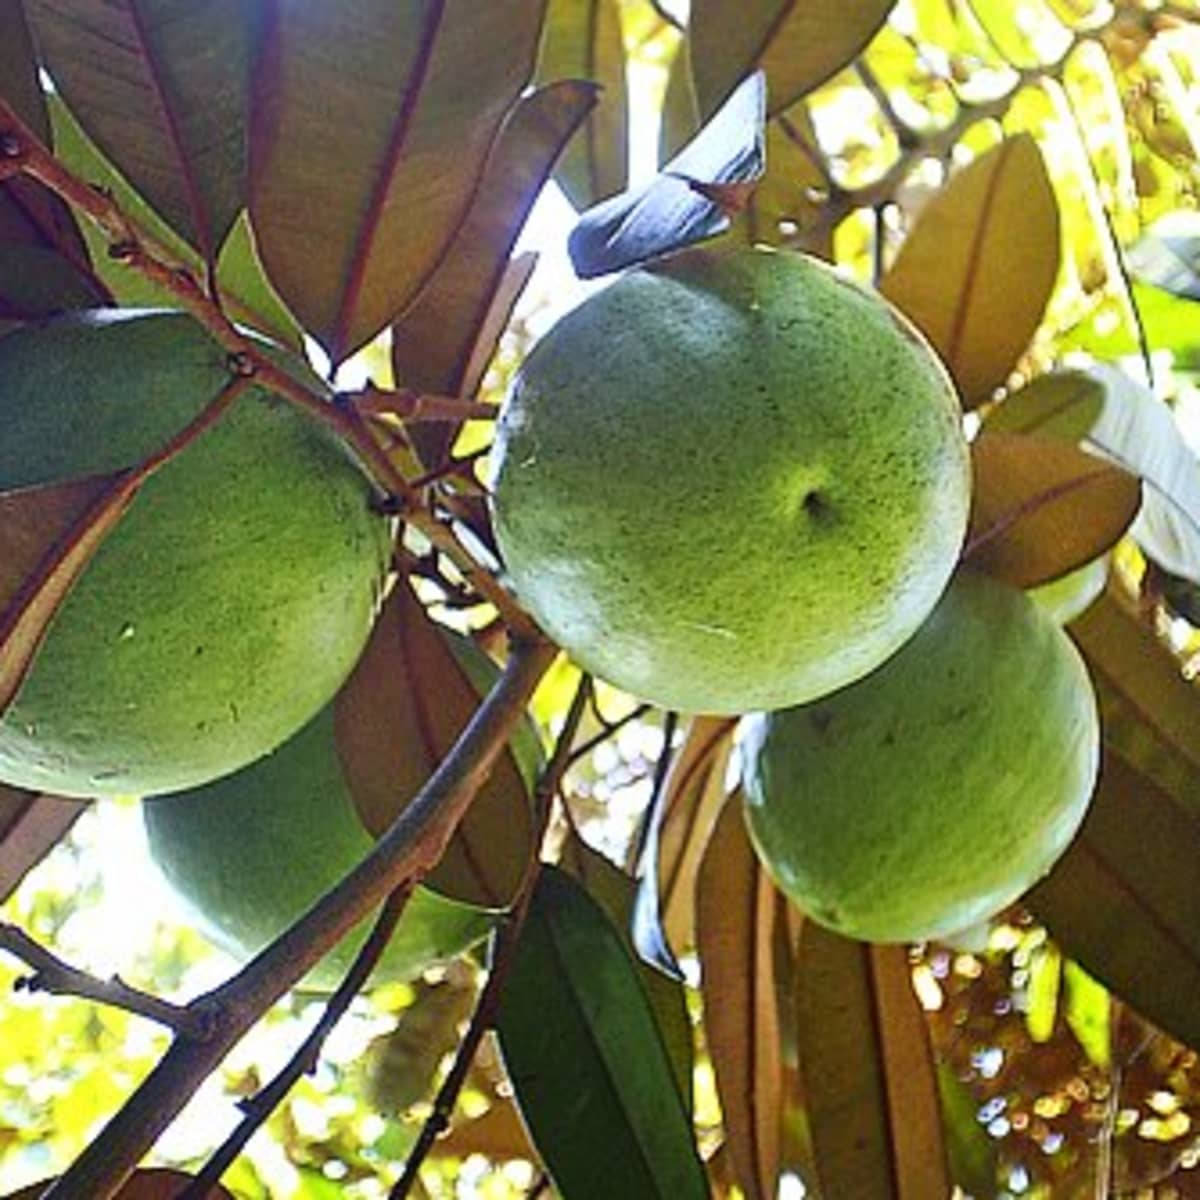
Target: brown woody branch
(133,246)
(420,406)
(503,951)
(51,974)
(409,848)
(264,1102)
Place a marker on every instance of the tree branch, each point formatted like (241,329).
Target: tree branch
(503,952)
(413,843)
(259,1107)
(51,974)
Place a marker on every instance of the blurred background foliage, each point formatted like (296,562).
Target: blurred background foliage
(1049,1086)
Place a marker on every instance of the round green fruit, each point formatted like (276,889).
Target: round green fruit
(233,597)
(250,853)
(731,480)
(927,796)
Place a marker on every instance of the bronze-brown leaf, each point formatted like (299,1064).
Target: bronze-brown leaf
(737,910)
(156,1183)
(396,718)
(30,827)
(867,1072)
(977,269)
(1041,507)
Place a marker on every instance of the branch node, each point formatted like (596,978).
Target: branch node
(11,146)
(124,250)
(240,363)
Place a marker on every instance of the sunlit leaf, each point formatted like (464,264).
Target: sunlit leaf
(737,910)
(678,833)
(613,1125)
(30,827)
(445,339)
(371,127)
(244,291)
(614,891)
(583,41)
(978,267)
(969,1150)
(396,718)
(798,43)
(1168,255)
(1106,411)
(161,89)
(1042,507)
(155,1183)
(868,1073)
(678,206)
(498,1134)
(1088,1012)
(1045,980)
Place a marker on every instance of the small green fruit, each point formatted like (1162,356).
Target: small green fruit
(250,853)
(927,796)
(234,596)
(731,480)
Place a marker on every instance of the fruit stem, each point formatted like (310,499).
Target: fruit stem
(407,850)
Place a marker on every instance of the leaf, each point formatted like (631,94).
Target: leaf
(691,800)
(970,1152)
(677,207)
(370,129)
(1168,255)
(1123,900)
(868,1072)
(397,717)
(30,827)
(1045,980)
(244,290)
(155,1183)
(798,43)
(50,533)
(614,891)
(1117,418)
(737,910)
(613,1125)
(1088,1011)
(161,89)
(582,40)
(1040,508)
(444,341)
(977,269)
(498,1135)
(44,265)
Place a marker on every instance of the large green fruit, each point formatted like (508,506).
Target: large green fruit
(249,853)
(234,596)
(930,794)
(731,480)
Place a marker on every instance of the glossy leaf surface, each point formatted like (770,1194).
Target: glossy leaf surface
(978,267)
(371,126)
(614,1124)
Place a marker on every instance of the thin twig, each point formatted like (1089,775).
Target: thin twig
(666,16)
(133,246)
(419,406)
(503,951)
(906,135)
(409,848)
(51,974)
(610,728)
(259,1107)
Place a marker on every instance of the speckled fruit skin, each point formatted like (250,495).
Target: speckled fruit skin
(250,852)
(929,795)
(236,593)
(731,480)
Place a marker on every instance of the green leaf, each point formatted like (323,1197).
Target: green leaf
(977,269)
(1045,980)
(583,41)
(614,891)
(799,43)
(1088,1010)
(971,1152)
(868,1074)
(244,290)
(738,908)
(445,340)
(371,126)
(161,89)
(1109,413)
(613,1124)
